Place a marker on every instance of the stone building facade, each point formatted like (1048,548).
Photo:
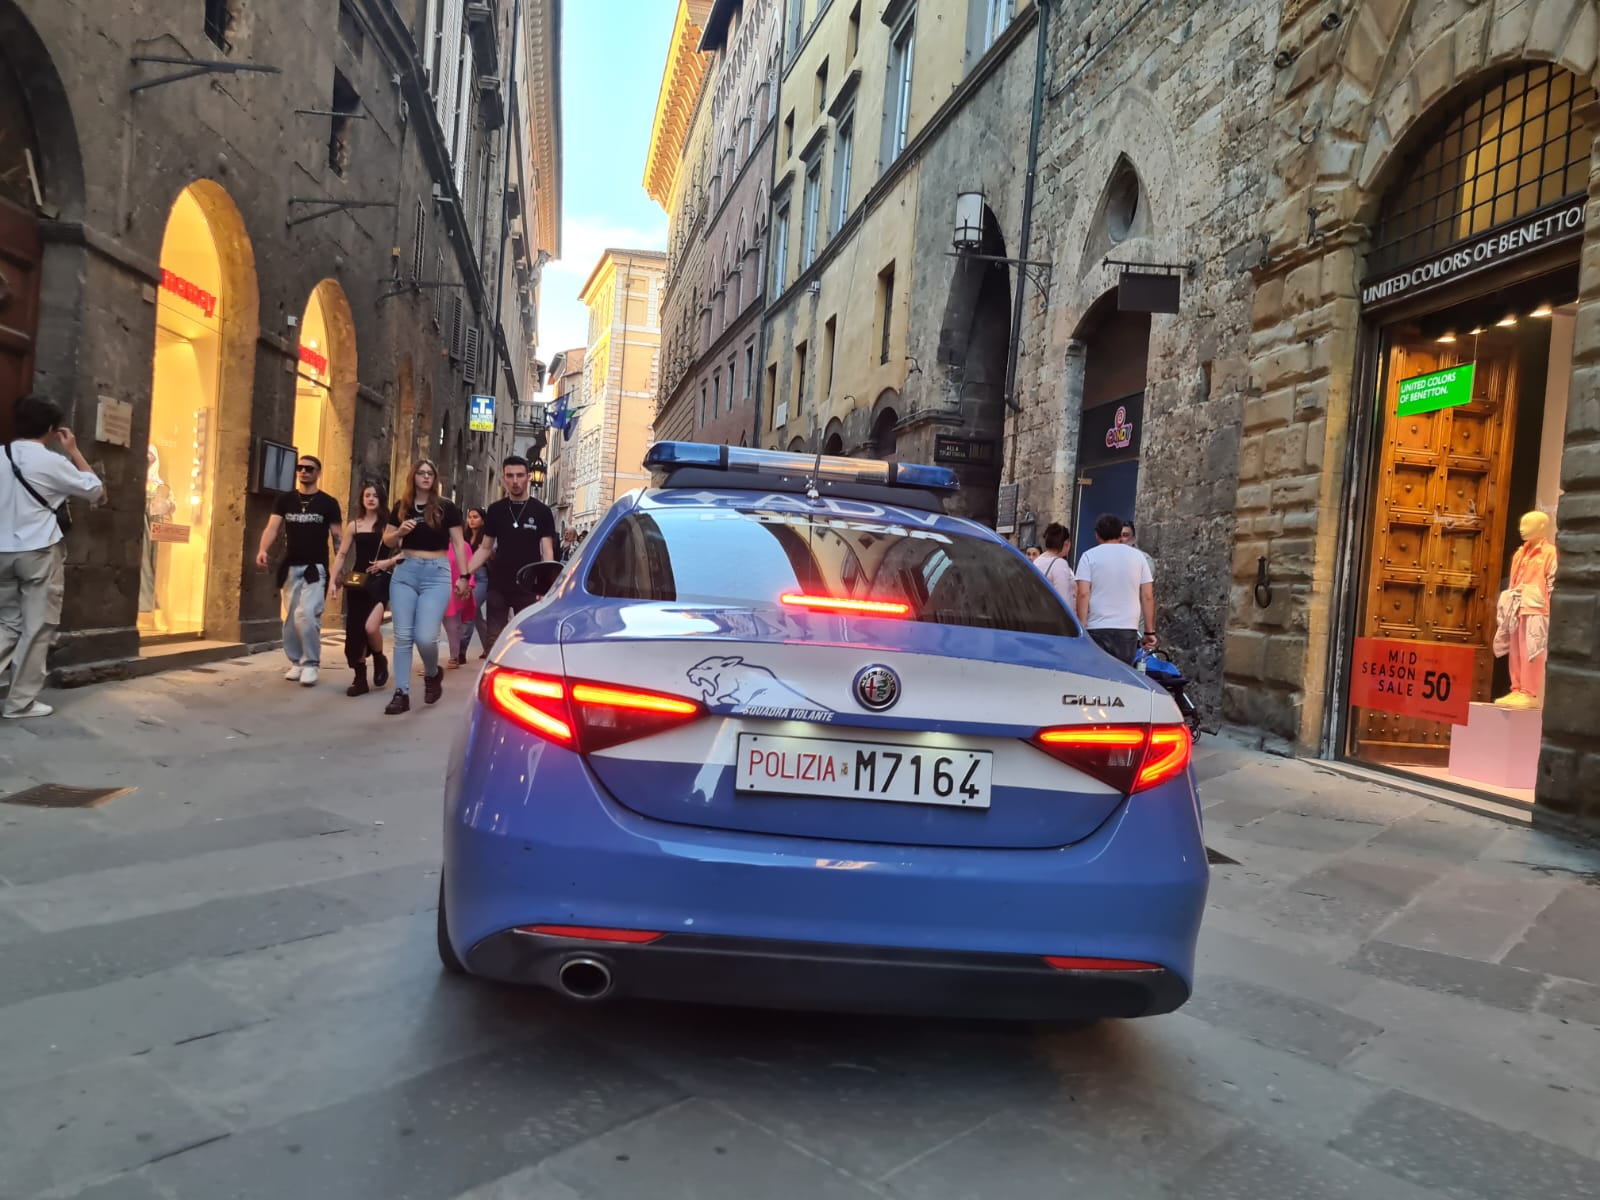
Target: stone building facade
(566,383)
(605,456)
(677,177)
(1358,104)
(290,237)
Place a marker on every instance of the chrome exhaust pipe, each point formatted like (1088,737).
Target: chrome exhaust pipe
(584,979)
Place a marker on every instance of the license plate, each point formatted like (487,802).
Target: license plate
(849,770)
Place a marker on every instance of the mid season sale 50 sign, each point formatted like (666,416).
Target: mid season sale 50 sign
(1428,680)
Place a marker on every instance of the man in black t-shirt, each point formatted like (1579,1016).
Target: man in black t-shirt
(311,519)
(517,530)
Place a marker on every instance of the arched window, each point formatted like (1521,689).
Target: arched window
(1507,147)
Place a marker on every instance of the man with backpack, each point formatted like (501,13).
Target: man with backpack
(35,485)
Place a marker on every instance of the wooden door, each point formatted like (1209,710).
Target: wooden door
(1439,529)
(19,307)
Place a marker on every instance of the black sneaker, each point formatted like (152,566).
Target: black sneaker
(380,670)
(433,687)
(359,687)
(399,703)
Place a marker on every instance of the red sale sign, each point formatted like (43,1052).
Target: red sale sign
(1428,680)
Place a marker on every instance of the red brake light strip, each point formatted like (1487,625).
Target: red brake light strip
(870,608)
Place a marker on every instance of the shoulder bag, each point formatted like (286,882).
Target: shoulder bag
(63,513)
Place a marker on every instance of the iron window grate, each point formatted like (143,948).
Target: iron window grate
(1517,145)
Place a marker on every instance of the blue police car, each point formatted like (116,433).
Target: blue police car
(786,734)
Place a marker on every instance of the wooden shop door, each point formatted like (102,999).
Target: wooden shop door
(1439,529)
(19,307)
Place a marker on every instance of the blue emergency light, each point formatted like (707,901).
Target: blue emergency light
(672,456)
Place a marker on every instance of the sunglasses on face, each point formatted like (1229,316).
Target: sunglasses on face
(306,467)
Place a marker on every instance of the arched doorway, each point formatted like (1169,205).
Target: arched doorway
(198,447)
(885,437)
(39,164)
(1469,297)
(1116,347)
(833,439)
(325,388)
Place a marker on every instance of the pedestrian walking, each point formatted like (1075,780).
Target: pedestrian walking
(34,491)
(459,614)
(312,521)
(480,592)
(1115,590)
(1053,565)
(569,543)
(1033,553)
(361,573)
(1130,537)
(426,528)
(517,530)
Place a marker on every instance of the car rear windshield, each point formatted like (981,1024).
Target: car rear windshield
(713,555)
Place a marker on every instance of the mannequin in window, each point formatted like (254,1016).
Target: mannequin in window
(1522,615)
(158,506)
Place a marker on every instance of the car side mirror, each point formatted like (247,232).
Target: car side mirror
(537,578)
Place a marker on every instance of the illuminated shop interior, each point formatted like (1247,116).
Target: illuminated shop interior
(180,488)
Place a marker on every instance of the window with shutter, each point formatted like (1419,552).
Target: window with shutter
(469,357)
(455,328)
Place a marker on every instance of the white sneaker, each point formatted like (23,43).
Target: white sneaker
(308,676)
(37,709)
(293,674)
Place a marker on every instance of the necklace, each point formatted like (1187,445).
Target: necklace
(516,516)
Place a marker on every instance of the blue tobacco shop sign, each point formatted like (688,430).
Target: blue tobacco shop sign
(480,414)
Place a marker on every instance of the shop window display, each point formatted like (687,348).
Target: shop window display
(1446,670)
(180,479)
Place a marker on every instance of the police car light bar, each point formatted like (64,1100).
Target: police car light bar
(668,456)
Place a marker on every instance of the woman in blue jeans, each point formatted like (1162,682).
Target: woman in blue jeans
(427,528)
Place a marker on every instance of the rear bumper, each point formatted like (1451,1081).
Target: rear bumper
(809,975)
(531,839)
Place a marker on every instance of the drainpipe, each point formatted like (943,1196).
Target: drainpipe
(1041,62)
(506,142)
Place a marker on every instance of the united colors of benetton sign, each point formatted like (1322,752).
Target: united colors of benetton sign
(1503,244)
(1437,389)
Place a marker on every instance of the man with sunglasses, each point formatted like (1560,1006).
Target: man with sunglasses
(312,520)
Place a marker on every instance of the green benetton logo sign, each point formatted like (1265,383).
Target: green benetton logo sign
(1436,390)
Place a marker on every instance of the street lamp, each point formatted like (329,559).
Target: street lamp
(537,472)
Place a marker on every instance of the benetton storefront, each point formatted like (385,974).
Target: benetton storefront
(1469,310)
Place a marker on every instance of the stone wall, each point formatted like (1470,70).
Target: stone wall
(1179,94)
(134,153)
(1345,101)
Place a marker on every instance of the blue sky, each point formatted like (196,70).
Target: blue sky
(612,56)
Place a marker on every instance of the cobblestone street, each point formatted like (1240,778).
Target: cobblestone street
(223,984)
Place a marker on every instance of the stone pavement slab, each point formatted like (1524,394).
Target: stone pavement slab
(1395,999)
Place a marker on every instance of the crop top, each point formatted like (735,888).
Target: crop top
(424,536)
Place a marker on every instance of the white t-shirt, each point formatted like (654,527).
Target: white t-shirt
(1114,573)
(25,524)
(1058,573)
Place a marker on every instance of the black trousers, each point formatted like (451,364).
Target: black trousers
(358,607)
(1119,643)
(501,603)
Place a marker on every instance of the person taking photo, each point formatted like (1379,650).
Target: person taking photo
(35,485)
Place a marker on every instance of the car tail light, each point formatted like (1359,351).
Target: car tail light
(840,604)
(591,933)
(1131,758)
(1072,962)
(582,714)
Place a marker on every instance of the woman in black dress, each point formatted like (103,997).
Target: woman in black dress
(362,550)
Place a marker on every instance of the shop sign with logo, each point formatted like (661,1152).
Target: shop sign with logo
(1431,681)
(1437,389)
(315,361)
(1500,245)
(1111,432)
(193,293)
(163,531)
(480,414)
(963,451)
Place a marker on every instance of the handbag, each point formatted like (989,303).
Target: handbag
(375,584)
(63,514)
